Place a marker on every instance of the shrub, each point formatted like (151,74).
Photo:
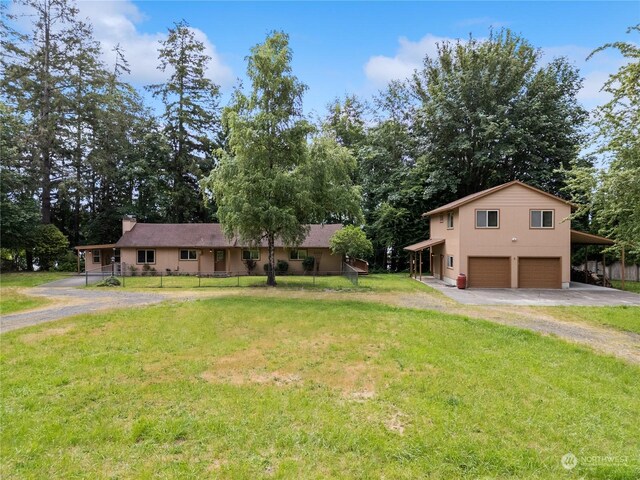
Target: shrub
(251,266)
(352,242)
(50,245)
(282,267)
(133,270)
(69,263)
(308,263)
(146,270)
(109,282)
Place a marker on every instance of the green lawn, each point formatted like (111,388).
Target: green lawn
(623,317)
(29,279)
(270,387)
(628,285)
(399,282)
(12,301)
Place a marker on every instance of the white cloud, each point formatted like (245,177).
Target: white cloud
(594,71)
(116,22)
(409,57)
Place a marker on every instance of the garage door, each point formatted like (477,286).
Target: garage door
(489,272)
(538,272)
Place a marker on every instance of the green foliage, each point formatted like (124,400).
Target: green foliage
(270,183)
(308,263)
(251,266)
(109,282)
(69,263)
(191,120)
(351,242)
(282,267)
(489,113)
(50,245)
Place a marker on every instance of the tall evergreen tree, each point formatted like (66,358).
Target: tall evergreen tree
(191,120)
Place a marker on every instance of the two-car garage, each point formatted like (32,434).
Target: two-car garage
(533,272)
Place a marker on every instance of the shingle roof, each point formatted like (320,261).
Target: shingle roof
(206,235)
(489,191)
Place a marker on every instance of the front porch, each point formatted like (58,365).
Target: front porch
(98,258)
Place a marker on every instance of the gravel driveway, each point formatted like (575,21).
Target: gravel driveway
(69,300)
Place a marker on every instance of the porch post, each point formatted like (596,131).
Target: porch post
(420,265)
(78,255)
(604,269)
(586,263)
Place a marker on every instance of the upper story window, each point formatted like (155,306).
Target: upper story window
(487,219)
(95,254)
(450,220)
(250,254)
(441,218)
(188,255)
(146,256)
(541,218)
(298,254)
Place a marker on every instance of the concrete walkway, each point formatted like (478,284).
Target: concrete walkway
(578,294)
(69,300)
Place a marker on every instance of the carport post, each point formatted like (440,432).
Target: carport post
(622,271)
(586,263)
(420,265)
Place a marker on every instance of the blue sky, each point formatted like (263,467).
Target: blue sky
(356,47)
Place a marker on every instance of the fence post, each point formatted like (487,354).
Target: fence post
(86,277)
(199,277)
(238,277)
(160,279)
(122,278)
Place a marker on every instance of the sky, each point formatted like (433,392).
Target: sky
(357,47)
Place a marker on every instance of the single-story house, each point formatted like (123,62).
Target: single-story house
(203,248)
(509,236)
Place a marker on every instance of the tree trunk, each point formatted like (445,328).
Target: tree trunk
(271,273)
(29,257)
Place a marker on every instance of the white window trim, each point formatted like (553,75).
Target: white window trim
(93,256)
(450,260)
(145,250)
(450,221)
(298,258)
(250,250)
(188,259)
(486,216)
(542,211)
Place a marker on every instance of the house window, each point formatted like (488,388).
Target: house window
(449,261)
(298,254)
(188,255)
(487,219)
(116,255)
(248,254)
(541,219)
(95,254)
(450,221)
(441,218)
(146,256)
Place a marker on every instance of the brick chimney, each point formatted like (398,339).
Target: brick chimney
(128,222)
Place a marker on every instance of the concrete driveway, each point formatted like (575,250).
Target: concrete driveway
(578,294)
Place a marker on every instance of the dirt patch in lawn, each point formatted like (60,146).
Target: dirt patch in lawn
(44,334)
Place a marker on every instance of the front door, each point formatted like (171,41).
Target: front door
(441,272)
(219,259)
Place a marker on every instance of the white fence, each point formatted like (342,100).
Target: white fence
(614,271)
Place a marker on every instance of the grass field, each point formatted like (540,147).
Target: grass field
(281,388)
(29,279)
(628,285)
(622,317)
(12,300)
(375,282)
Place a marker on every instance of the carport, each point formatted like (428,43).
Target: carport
(583,239)
(415,253)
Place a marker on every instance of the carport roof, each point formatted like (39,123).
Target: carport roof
(583,238)
(416,247)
